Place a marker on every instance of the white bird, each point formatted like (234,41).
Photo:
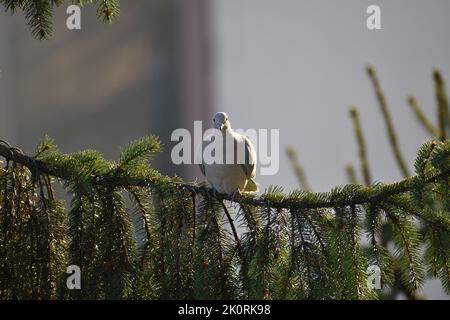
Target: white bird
(238,176)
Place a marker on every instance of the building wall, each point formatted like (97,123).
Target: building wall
(104,85)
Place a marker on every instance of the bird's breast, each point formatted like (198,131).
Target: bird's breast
(226,178)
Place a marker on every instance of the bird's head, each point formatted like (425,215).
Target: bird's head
(221,122)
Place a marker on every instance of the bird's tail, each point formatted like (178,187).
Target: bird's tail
(251,186)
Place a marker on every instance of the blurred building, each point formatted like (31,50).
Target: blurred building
(104,85)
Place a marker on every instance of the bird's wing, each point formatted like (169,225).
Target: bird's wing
(249,166)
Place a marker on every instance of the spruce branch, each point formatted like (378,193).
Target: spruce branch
(351,174)
(39,13)
(12,5)
(388,121)
(442,104)
(233,229)
(298,170)
(341,196)
(423,119)
(108,10)
(406,238)
(361,146)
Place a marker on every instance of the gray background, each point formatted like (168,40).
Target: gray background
(299,65)
(288,64)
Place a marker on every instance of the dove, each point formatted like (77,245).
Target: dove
(238,176)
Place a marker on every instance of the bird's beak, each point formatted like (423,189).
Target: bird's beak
(222,126)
